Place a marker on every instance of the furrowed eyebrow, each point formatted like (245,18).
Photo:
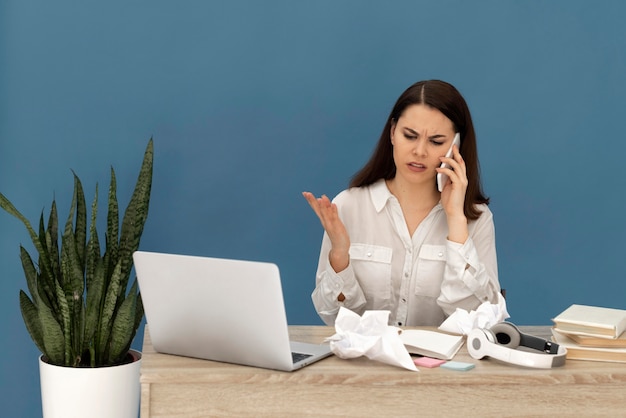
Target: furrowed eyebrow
(414,132)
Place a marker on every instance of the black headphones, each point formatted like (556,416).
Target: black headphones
(502,340)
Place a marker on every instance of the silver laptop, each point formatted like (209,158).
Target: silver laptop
(219,309)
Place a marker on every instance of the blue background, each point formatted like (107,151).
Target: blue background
(251,103)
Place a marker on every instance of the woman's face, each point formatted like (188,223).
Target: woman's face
(420,136)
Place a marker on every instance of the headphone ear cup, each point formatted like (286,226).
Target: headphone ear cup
(477,342)
(506,334)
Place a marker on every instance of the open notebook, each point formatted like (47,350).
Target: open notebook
(219,309)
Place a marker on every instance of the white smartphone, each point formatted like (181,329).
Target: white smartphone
(442,179)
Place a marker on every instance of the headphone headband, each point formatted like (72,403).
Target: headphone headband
(502,340)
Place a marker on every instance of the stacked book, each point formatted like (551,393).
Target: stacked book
(592,333)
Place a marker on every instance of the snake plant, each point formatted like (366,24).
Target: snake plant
(80,312)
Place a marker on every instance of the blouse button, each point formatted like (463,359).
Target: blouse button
(369,255)
(440,255)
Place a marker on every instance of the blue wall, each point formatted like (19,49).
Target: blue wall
(250,103)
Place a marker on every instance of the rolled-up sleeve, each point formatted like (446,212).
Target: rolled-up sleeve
(329,285)
(471,273)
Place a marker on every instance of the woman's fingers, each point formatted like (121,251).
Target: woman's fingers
(323,208)
(328,215)
(457,169)
(320,205)
(312,200)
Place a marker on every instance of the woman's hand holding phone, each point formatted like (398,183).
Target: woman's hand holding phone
(442,178)
(453,195)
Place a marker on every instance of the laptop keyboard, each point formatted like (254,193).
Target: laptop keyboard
(296,357)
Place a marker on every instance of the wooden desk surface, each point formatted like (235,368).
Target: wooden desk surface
(174,386)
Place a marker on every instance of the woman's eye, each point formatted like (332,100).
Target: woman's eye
(437,142)
(407,136)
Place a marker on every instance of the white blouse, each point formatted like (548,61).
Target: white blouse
(421,279)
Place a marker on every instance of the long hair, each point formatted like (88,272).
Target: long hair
(445,98)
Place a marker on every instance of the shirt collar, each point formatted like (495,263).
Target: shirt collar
(380,195)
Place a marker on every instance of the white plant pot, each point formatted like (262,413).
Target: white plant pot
(102,392)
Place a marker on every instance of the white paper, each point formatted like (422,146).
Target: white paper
(370,336)
(485,316)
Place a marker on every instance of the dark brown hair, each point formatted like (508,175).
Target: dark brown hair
(445,98)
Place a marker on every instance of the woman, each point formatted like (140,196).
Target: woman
(392,241)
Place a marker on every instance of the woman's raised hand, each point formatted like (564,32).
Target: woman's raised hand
(326,211)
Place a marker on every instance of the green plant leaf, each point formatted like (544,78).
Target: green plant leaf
(29,271)
(107,313)
(123,328)
(95,297)
(94,280)
(44,260)
(113,225)
(52,240)
(136,214)
(138,312)
(44,286)
(81,220)
(73,288)
(92,256)
(65,242)
(55,347)
(30,314)
(49,239)
(46,290)
(73,279)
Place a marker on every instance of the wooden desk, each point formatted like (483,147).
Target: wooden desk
(173,386)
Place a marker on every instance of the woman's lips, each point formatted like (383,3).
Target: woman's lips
(417,167)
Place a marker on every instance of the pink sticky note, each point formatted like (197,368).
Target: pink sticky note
(427,362)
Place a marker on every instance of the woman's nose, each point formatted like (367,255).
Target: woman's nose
(420,148)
